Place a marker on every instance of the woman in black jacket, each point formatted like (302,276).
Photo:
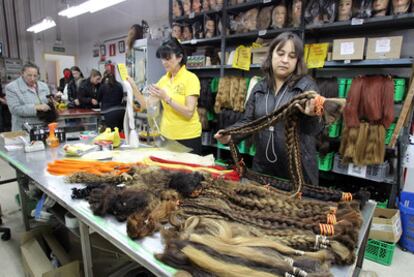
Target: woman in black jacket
(284,77)
(110,96)
(88,90)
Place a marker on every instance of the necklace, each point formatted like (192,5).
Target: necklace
(270,141)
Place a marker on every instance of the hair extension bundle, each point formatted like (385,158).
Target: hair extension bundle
(202,114)
(187,184)
(84,193)
(239,98)
(89,178)
(222,97)
(146,222)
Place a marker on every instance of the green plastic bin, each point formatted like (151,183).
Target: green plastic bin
(399,89)
(389,133)
(379,251)
(335,129)
(326,163)
(341,87)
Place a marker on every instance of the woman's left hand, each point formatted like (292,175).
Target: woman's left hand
(309,108)
(158,92)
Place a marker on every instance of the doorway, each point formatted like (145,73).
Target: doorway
(55,64)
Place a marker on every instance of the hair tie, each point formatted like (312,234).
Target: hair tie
(346,196)
(331,219)
(326,229)
(319,101)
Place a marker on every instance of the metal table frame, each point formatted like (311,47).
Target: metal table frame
(33,166)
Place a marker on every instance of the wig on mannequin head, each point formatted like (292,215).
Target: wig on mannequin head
(380,7)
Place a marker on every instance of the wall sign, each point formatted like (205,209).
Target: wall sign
(112,49)
(121,46)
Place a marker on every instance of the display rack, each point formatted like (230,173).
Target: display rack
(312,32)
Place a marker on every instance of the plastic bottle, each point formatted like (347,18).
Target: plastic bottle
(52,141)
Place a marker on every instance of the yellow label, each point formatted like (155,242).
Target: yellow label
(242,58)
(317,55)
(123,72)
(256,45)
(306,52)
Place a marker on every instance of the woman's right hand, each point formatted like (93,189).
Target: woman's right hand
(42,107)
(221,138)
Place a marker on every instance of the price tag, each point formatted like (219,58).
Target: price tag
(262,32)
(358,171)
(266,1)
(347,48)
(191,15)
(193,41)
(347,61)
(357,21)
(383,45)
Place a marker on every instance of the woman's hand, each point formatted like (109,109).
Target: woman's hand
(158,92)
(222,139)
(309,108)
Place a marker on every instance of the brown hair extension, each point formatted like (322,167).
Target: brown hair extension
(222,97)
(147,222)
(89,178)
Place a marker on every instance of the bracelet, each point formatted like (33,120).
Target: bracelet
(169,100)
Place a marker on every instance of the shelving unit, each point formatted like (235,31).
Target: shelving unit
(314,32)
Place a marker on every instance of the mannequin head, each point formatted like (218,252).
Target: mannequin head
(187,7)
(250,19)
(296,12)
(177,8)
(209,28)
(400,6)
(187,35)
(212,3)
(279,14)
(344,10)
(176,31)
(196,6)
(206,5)
(380,7)
(219,5)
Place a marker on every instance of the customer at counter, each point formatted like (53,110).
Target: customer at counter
(110,96)
(88,91)
(26,96)
(74,86)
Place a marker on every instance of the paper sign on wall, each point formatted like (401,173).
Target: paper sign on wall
(123,72)
(317,55)
(383,45)
(347,48)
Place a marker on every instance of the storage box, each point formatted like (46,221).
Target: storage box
(259,54)
(35,260)
(384,48)
(348,49)
(386,225)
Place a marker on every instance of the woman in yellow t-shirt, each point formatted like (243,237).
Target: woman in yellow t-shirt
(178,91)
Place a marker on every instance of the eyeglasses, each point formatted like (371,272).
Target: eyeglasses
(31,76)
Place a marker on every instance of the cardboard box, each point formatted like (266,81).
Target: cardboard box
(348,49)
(386,225)
(259,54)
(35,260)
(384,48)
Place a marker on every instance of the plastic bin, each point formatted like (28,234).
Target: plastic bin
(399,89)
(326,163)
(406,206)
(382,205)
(252,150)
(335,129)
(242,147)
(389,133)
(374,172)
(379,251)
(342,87)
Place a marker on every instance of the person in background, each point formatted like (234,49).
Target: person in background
(26,96)
(178,91)
(5,116)
(75,84)
(88,91)
(284,78)
(110,96)
(64,82)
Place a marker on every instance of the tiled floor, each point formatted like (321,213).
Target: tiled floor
(11,264)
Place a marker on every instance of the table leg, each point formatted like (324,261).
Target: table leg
(361,252)
(86,249)
(22,182)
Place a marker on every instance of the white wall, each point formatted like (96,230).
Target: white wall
(44,41)
(112,24)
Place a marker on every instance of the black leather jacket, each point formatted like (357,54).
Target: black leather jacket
(262,101)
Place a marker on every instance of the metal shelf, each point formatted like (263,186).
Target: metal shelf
(396,22)
(208,67)
(203,41)
(249,5)
(406,62)
(269,33)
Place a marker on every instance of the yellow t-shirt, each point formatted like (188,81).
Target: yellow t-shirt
(173,124)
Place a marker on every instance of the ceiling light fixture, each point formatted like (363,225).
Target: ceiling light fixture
(45,24)
(88,6)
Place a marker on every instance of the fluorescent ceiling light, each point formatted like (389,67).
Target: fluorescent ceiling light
(88,6)
(45,24)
